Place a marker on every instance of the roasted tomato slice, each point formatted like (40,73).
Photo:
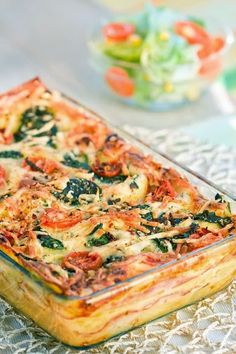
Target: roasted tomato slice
(107,169)
(60,219)
(118,32)
(119,81)
(37,163)
(82,260)
(192,32)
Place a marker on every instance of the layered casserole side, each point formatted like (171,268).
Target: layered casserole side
(83,214)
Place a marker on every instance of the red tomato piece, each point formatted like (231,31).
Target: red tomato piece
(211,68)
(118,32)
(42,163)
(107,169)
(212,46)
(205,51)
(2,176)
(218,43)
(165,189)
(154,259)
(59,219)
(119,81)
(192,32)
(82,260)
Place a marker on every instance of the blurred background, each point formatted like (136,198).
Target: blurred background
(49,39)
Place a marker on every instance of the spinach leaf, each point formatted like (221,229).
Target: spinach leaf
(162,219)
(33,118)
(71,161)
(153,229)
(50,242)
(112,259)
(140,206)
(161,244)
(20,135)
(133,185)
(36,117)
(33,166)
(97,227)
(4,196)
(211,217)
(113,201)
(192,229)
(103,240)
(10,154)
(148,216)
(51,133)
(74,188)
(47,241)
(111,180)
(219,198)
(70,272)
(176,221)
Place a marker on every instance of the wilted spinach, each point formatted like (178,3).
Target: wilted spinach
(51,133)
(48,241)
(4,196)
(133,185)
(149,217)
(192,229)
(161,244)
(211,217)
(72,161)
(10,154)
(33,166)
(219,198)
(110,180)
(74,188)
(111,259)
(101,241)
(33,118)
(96,228)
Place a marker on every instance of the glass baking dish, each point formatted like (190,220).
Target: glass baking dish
(84,321)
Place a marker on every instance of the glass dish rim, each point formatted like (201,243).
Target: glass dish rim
(108,290)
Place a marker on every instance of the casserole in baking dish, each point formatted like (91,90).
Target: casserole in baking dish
(96,236)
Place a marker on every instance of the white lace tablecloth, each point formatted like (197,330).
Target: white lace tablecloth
(206,327)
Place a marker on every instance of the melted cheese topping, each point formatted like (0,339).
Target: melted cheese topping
(81,208)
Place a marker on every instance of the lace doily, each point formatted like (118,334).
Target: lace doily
(206,327)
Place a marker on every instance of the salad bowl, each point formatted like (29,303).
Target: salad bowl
(163,60)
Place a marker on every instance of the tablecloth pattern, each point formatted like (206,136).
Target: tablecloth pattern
(206,327)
